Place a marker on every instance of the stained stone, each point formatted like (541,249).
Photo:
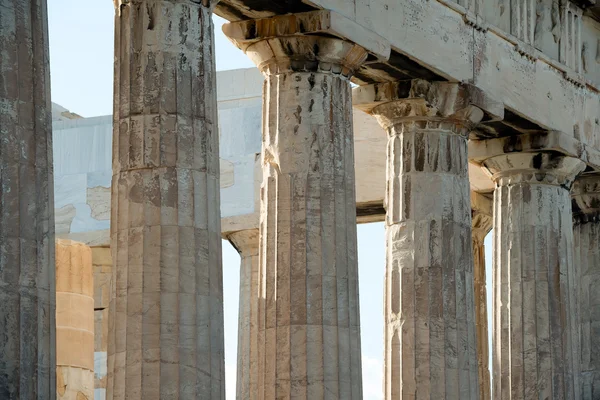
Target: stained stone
(430,337)
(27,276)
(166,310)
(535,336)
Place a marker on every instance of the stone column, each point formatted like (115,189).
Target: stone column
(430,337)
(534,344)
(247,245)
(308,325)
(586,204)
(166,326)
(27,276)
(74,321)
(102,263)
(482,217)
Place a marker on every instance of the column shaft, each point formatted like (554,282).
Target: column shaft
(482,223)
(534,344)
(586,205)
(430,344)
(309,335)
(247,245)
(587,262)
(74,321)
(166,324)
(27,276)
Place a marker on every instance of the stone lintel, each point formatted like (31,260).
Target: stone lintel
(586,197)
(445,99)
(325,22)
(211,4)
(548,141)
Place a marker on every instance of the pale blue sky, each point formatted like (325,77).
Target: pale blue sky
(81,62)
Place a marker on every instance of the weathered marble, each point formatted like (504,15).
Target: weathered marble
(166,323)
(430,337)
(309,325)
(482,218)
(586,230)
(27,276)
(535,339)
(247,245)
(74,321)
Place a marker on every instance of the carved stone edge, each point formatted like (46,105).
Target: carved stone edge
(326,22)
(245,242)
(448,97)
(548,141)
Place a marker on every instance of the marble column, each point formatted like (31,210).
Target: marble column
(74,321)
(586,218)
(534,344)
(27,276)
(247,244)
(430,337)
(308,323)
(482,217)
(166,323)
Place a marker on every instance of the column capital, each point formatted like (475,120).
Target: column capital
(245,242)
(427,104)
(315,41)
(586,198)
(548,168)
(482,216)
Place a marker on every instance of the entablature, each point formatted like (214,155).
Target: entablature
(547,76)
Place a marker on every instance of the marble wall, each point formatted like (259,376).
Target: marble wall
(83,151)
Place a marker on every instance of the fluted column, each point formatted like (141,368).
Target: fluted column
(308,325)
(534,313)
(482,217)
(166,323)
(430,338)
(586,218)
(27,276)
(247,245)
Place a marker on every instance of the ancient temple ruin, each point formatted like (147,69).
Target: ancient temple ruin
(463,117)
